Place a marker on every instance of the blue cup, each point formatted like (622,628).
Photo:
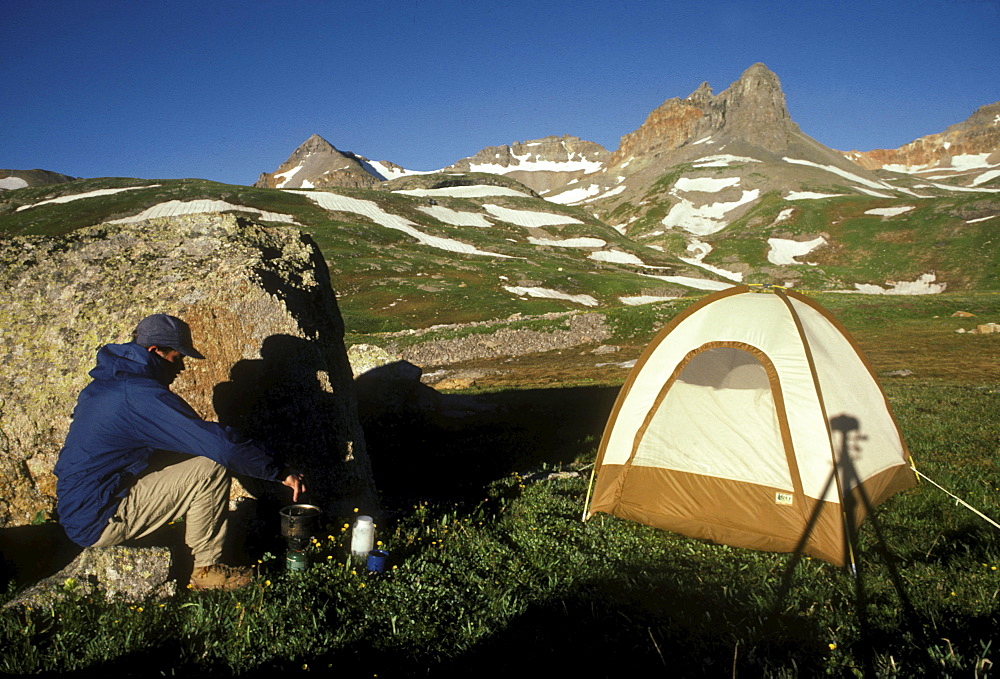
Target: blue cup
(376,560)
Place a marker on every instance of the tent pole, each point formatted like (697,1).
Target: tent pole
(848,531)
(590,487)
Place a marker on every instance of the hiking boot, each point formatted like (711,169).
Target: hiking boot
(219,576)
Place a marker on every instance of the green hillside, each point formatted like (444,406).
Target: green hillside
(418,251)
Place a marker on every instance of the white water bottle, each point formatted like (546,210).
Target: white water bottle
(363,536)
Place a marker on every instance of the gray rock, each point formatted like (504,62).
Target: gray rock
(131,574)
(365,357)
(260,306)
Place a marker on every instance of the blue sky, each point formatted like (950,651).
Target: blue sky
(225,90)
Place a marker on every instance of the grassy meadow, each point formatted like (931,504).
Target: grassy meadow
(491,568)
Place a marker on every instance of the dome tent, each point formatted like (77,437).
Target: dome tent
(752,420)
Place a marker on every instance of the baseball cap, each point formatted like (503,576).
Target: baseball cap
(166,331)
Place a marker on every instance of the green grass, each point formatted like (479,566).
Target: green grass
(489,569)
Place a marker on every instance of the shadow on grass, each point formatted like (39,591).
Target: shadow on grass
(427,455)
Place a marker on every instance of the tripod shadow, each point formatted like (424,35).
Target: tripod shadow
(856,505)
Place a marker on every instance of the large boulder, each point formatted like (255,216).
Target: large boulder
(261,309)
(131,574)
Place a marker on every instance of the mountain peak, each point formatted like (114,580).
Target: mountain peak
(317,163)
(753,109)
(701,96)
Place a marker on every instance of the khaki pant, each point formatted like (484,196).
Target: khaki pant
(195,488)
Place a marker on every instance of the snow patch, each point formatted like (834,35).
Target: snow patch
(395,172)
(607,194)
(616,257)
(569,242)
(337,203)
(548,293)
(11,183)
(174,208)
(636,300)
(810,195)
(924,285)
(575,195)
(890,211)
(981,219)
(706,219)
(783,215)
(706,184)
(985,177)
(88,194)
(970,161)
(837,171)
(723,160)
(527,164)
(699,249)
(286,176)
(529,218)
(696,283)
(479,191)
(871,193)
(454,217)
(784,251)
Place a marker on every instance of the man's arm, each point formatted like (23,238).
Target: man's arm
(161,419)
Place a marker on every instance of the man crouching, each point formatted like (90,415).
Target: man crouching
(137,456)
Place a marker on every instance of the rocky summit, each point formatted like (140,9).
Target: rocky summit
(19,179)
(545,165)
(316,163)
(960,153)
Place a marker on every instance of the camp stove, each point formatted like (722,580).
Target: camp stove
(298,525)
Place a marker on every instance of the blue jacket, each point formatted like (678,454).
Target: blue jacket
(120,419)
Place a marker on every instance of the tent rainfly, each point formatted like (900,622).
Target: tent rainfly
(752,420)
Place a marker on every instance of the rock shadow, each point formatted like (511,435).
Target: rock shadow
(447,447)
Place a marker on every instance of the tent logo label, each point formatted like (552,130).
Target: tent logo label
(783,498)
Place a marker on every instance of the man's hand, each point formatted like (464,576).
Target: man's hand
(297,482)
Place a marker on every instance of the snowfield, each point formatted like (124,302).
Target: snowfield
(88,194)
(394,173)
(810,195)
(843,173)
(575,195)
(11,183)
(722,160)
(985,177)
(784,251)
(707,219)
(636,300)
(287,175)
(526,164)
(890,211)
(173,208)
(454,217)
(699,249)
(696,283)
(366,208)
(478,191)
(924,285)
(616,257)
(706,184)
(528,218)
(569,242)
(607,194)
(548,293)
